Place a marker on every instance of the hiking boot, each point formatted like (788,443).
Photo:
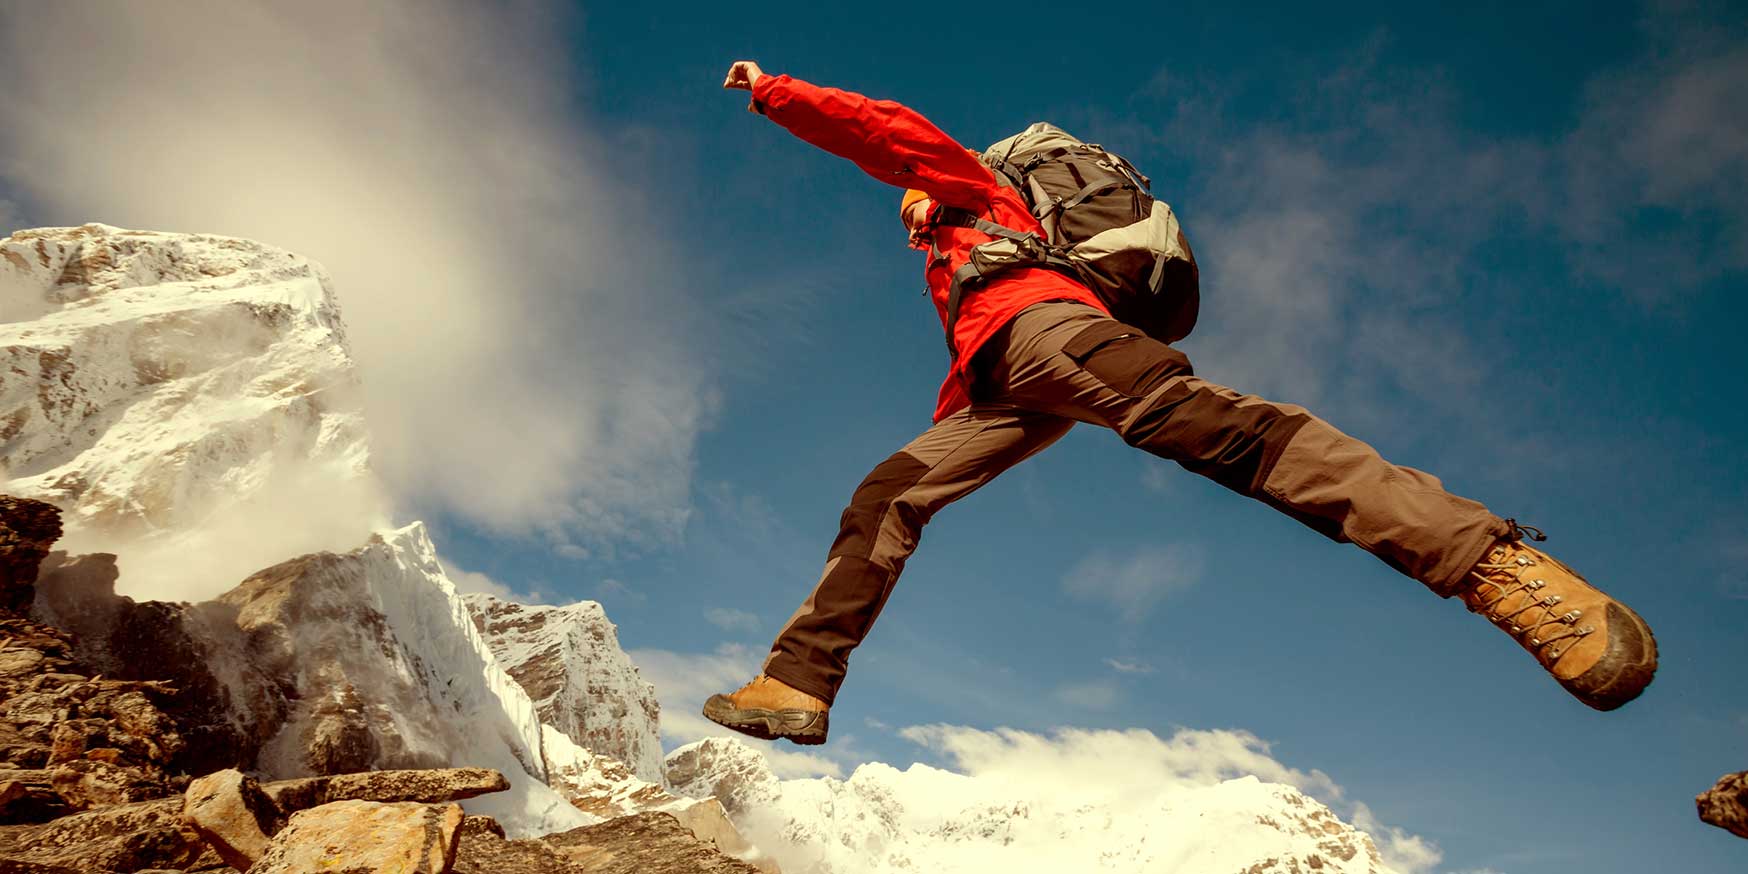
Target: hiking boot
(768,709)
(1596,647)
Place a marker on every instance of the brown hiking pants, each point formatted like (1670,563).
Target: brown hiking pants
(1059,363)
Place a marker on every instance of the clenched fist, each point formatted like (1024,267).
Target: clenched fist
(743,75)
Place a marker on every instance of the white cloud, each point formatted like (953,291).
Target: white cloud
(1132,768)
(473,581)
(1136,581)
(1129,666)
(1402,852)
(1114,763)
(684,680)
(730,619)
(520,336)
(1668,131)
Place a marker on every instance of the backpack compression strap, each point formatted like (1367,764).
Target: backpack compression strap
(969,276)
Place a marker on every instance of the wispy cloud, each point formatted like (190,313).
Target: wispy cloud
(523,346)
(1129,666)
(1668,132)
(730,619)
(1134,582)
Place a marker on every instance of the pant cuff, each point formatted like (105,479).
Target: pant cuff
(788,669)
(1453,581)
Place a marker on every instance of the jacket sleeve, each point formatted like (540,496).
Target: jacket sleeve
(889,141)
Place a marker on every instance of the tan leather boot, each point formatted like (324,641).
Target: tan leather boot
(767,708)
(1596,647)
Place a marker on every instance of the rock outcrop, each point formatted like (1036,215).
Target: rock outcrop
(1725,805)
(582,683)
(645,843)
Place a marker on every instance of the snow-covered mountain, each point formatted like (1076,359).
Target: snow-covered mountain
(569,661)
(176,395)
(883,821)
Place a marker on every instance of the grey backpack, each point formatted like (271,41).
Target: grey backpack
(1101,225)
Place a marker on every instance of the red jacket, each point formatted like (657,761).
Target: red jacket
(896,145)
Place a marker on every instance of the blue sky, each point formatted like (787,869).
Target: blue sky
(1504,243)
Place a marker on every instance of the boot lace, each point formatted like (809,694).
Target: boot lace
(1511,597)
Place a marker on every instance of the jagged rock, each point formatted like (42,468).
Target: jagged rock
(338,739)
(27,529)
(154,640)
(433,786)
(644,843)
(481,849)
(365,837)
(233,815)
(582,682)
(1725,805)
(128,837)
(86,784)
(708,822)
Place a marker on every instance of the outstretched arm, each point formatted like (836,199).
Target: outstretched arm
(889,141)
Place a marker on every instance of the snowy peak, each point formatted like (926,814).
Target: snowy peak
(180,390)
(569,661)
(883,821)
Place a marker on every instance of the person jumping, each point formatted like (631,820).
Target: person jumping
(1035,350)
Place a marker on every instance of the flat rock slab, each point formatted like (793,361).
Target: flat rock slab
(431,786)
(1726,804)
(365,837)
(128,837)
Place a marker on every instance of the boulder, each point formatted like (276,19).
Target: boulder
(233,815)
(365,837)
(1725,805)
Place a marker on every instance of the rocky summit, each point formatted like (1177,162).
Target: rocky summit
(95,773)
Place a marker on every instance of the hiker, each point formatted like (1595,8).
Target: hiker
(1035,350)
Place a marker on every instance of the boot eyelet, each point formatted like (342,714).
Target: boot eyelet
(1535,641)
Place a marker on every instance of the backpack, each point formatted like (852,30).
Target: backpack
(1102,226)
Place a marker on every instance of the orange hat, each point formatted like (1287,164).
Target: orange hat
(911,195)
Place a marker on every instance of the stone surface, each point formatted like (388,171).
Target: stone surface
(128,837)
(1725,805)
(426,787)
(27,529)
(232,815)
(645,843)
(584,685)
(365,837)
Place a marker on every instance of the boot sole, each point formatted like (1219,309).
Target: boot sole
(807,727)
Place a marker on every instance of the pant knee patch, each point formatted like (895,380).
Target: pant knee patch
(860,523)
(1123,358)
(1211,436)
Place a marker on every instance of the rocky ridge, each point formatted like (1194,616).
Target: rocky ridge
(92,779)
(582,683)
